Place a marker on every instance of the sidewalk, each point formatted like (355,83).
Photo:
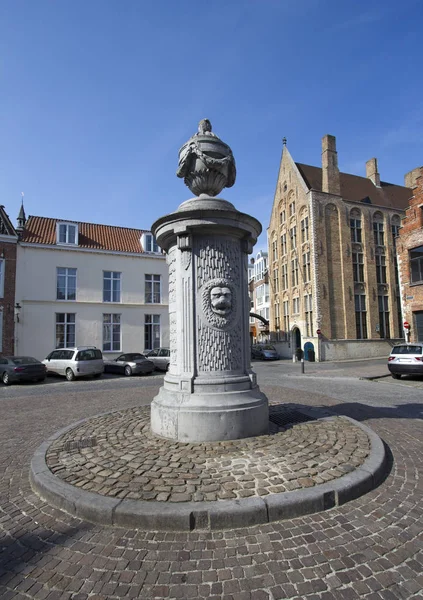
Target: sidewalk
(371,368)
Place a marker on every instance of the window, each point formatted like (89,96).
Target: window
(276,281)
(1,330)
(358,267)
(395,234)
(66,284)
(282,217)
(2,267)
(308,308)
(292,209)
(260,266)
(294,272)
(149,243)
(304,230)
(293,236)
(416,264)
(306,267)
(111,286)
(295,306)
(153,289)
(151,332)
(65,330)
(360,316)
(260,294)
(111,332)
(286,317)
(355,225)
(380,268)
(89,354)
(378,230)
(283,244)
(67,233)
(276,315)
(384,330)
(275,250)
(284,277)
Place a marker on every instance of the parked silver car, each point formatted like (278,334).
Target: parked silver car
(160,357)
(75,362)
(131,363)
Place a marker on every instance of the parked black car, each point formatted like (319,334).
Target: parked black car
(131,363)
(264,352)
(21,368)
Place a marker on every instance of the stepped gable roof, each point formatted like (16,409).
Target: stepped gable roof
(6,227)
(360,189)
(42,230)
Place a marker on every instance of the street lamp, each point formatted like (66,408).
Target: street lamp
(17,311)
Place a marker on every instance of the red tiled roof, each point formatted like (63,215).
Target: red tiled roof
(42,230)
(360,189)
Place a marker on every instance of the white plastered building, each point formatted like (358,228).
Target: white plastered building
(88,284)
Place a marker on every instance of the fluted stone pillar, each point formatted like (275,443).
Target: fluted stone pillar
(210,391)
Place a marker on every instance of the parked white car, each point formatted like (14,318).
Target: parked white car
(75,362)
(406,359)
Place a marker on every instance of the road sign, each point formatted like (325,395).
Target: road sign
(406,325)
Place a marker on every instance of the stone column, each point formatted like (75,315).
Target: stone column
(210,392)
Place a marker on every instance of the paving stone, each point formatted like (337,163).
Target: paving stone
(244,468)
(375,540)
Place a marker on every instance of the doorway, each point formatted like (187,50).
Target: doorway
(296,338)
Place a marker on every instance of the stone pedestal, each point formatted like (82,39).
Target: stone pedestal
(210,392)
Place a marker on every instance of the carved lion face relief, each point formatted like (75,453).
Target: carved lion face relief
(218,302)
(221,300)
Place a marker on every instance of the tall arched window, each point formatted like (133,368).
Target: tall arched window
(355,225)
(395,225)
(378,233)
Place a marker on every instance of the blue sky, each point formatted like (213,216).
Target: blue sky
(97,96)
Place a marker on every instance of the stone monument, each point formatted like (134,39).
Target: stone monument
(210,392)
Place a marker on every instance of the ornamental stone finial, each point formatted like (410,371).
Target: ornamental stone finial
(206,163)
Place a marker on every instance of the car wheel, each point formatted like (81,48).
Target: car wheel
(5,378)
(41,379)
(128,371)
(396,375)
(70,375)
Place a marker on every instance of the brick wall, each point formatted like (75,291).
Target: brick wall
(7,303)
(411,236)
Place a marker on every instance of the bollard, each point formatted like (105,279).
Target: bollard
(302,365)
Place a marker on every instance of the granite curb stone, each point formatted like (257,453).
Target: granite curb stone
(207,515)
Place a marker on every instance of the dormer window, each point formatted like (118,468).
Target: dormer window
(149,244)
(67,233)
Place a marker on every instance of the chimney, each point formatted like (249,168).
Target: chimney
(371,171)
(410,179)
(331,183)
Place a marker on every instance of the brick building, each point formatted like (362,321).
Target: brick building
(410,257)
(8,313)
(332,259)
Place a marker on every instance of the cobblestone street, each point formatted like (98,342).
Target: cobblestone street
(369,548)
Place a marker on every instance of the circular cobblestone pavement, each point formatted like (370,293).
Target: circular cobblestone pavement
(117,455)
(369,548)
